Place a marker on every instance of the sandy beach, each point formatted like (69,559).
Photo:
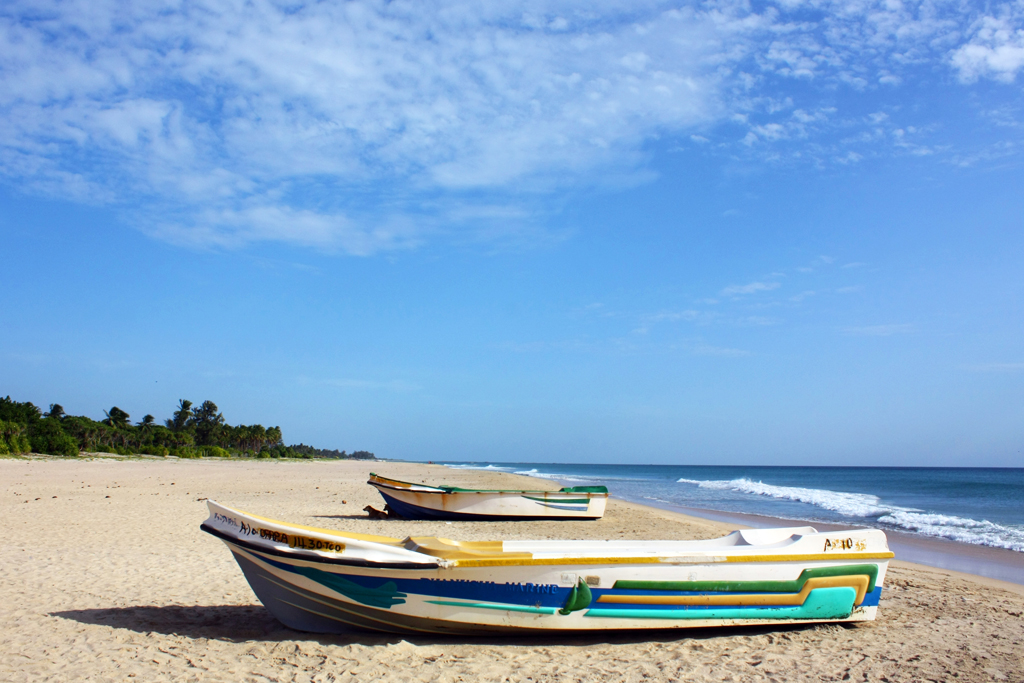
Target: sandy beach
(105,575)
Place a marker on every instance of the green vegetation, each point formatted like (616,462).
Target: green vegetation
(191,432)
(324,453)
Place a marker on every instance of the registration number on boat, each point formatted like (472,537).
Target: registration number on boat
(306,543)
(293,540)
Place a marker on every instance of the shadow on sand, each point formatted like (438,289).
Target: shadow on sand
(239,623)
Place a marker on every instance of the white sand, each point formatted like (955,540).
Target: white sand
(105,575)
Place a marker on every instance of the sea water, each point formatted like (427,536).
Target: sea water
(979,506)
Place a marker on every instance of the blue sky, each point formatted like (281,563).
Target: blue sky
(715,233)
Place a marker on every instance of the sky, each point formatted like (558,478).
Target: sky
(774,233)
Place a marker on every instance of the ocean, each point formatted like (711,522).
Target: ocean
(977,506)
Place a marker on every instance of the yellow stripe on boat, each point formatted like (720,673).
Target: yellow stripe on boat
(812,557)
(460,550)
(647,559)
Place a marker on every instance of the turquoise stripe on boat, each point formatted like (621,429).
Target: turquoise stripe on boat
(577,508)
(822,603)
(495,605)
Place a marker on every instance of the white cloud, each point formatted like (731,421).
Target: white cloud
(880,330)
(296,122)
(259,223)
(398,386)
(708,350)
(996,49)
(689,316)
(752,288)
(758,321)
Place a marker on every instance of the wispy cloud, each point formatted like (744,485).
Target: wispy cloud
(398,386)
(690,315)
(341,126)
(880,330)
(752,288)
(707,350)
(757,321)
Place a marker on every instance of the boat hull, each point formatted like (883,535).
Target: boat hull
(338,591)
(411,501)
(312,609)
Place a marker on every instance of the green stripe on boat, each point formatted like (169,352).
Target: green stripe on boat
(560,501)
(822,603)
(754,586)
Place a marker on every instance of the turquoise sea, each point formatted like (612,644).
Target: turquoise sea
(978,506)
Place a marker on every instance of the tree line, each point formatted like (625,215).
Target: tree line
(190,432)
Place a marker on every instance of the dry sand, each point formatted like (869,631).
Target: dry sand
(105,575)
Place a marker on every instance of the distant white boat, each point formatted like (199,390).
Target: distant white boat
(420,501)
(329,581)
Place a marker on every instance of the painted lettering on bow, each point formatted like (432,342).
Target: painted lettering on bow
(291,540)
(845,544)
(224,519)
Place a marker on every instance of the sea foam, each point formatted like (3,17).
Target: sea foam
(865,505)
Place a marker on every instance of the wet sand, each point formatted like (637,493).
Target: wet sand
(104,575)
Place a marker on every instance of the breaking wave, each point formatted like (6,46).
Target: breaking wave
(473,466)
(864,505)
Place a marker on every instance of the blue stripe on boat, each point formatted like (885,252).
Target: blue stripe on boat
(380,590)
(303,610)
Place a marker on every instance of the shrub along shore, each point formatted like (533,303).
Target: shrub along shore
(191,432)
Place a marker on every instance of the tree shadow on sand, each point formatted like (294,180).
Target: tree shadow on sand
(239,623)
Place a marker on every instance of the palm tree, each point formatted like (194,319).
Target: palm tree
(145,428)
(274,437)
(207,421)
(182,416)
(116,417)
(56,410)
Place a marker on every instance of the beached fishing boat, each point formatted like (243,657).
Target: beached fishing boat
(421,501)
(329,581)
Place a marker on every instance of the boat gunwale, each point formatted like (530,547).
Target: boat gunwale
(309,557)
(520,561)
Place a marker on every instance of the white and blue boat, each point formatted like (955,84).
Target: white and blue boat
(422,501)
(325,581)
